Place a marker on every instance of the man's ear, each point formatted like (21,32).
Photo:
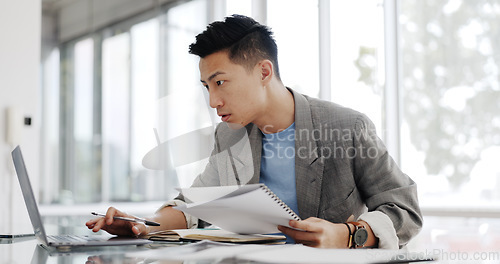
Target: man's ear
(266,70)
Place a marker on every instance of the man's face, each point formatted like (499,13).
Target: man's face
(237,94)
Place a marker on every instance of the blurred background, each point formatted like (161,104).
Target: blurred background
(110,72)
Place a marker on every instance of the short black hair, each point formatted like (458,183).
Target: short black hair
(246,41)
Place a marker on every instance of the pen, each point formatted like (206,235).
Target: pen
(136,219)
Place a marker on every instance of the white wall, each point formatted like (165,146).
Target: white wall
(19,87)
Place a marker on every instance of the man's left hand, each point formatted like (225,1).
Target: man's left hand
(316,232)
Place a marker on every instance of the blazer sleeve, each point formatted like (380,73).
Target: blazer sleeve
(382,184)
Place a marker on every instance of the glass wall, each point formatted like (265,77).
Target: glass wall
(82,185)
(144,92)
(296,34)
(116,109)
(451,101)
(357,57)
(241,7)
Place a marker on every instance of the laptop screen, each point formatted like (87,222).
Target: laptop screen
(29,197)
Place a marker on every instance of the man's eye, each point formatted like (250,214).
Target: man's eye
(206,86)
(219,83)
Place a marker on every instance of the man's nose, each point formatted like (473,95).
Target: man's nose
(215,99)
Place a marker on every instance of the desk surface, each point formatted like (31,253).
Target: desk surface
(473,241)
(29,251)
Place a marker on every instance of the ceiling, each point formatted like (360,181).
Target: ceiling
(55,5)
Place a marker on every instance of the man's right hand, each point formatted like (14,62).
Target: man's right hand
(116,226)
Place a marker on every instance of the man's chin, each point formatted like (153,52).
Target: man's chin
(234,126)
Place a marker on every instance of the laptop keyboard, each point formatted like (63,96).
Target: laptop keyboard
(71,238)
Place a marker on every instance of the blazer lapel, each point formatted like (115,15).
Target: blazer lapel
(308,163)
(240,156)
(256,144)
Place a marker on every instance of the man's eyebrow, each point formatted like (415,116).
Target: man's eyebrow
(213,76)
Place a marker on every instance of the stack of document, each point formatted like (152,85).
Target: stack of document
(213,235)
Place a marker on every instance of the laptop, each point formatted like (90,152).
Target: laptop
(60,241)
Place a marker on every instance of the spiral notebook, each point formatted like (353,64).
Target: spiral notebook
(247,209)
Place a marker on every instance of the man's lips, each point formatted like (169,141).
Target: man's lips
(224,118)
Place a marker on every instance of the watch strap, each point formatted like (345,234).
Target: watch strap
(349,240)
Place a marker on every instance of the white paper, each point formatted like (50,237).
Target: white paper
(290,253)
(303,254)
(247,210)
(200,194)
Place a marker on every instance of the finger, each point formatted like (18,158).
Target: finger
(92,221)
(139,229)
(283,229)
(302,237)
(309,225)
(110,214)
(286,230)
(313,219)
(100,223)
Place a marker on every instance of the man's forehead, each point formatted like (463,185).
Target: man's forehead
(215,59)
(214,64)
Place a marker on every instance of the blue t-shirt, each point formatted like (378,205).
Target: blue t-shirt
(277,166)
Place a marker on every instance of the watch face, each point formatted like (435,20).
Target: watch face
(360,237)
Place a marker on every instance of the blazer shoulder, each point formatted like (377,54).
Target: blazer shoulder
(337,115)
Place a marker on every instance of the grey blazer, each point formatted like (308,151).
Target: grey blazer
(341,167)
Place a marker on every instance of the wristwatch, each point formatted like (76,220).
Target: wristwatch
(360,235)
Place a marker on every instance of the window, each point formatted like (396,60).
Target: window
(83,184)
(241,7)
(450,97)
(116,117)
(296,34)
(357,57)
(144,92)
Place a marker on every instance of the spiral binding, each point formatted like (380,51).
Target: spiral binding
(280,202)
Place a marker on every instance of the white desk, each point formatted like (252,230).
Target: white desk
(452,240)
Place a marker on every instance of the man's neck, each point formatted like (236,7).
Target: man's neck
(279,111)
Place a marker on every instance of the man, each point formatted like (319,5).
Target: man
(323,160)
